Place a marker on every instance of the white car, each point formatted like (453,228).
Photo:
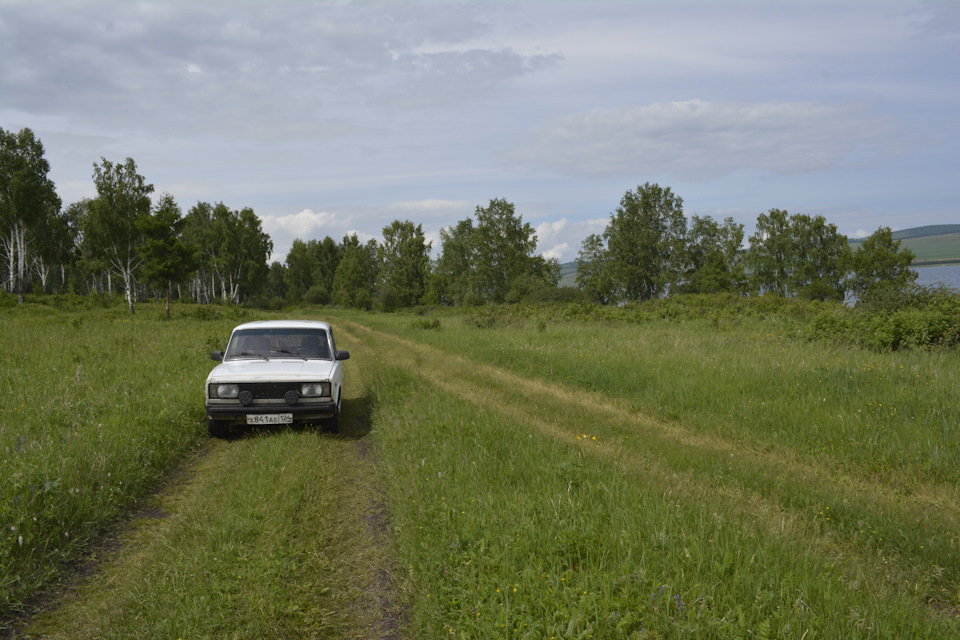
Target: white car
(276,372)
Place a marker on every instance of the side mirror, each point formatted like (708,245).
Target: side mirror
(217,355)
(343,355)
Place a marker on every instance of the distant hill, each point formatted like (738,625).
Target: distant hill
(932,244)
(929,230)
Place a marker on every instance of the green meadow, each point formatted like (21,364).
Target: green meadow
(562,472)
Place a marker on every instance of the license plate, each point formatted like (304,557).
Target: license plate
(271,418)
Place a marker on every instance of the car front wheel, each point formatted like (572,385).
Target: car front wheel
(217,428)
(333,424)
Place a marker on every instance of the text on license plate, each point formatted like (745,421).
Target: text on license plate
(272,418)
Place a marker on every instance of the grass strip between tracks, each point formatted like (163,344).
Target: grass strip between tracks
(525,509)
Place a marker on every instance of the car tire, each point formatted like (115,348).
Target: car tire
(333,424)
(217,428)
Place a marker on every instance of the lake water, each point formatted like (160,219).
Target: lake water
(948,274)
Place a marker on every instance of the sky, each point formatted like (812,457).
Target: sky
(330,117)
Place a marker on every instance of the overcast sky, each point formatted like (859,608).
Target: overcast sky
(329,118)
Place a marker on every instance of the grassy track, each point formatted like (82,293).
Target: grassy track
(271,535)
(537,502)
(542,479)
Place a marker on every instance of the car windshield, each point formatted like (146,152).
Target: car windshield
(279,343)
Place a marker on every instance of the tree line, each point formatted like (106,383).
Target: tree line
(124,243)
(649,249)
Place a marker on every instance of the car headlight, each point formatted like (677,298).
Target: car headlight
(223,390)
(315,389)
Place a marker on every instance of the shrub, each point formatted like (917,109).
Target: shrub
(423,323)
(317,294)
(889,320)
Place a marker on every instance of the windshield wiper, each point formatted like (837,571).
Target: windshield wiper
(254,354)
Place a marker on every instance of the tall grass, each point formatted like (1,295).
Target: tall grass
(94,407)
(550,482)
(892,414)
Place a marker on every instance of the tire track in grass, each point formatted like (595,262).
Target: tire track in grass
(279,533)
(759,499)
(943,498)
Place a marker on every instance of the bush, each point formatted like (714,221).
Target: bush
(387,299)
(204,313)
(317,294)
(423,323)
(364,300)
(917,318)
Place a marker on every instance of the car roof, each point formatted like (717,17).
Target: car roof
(284,324)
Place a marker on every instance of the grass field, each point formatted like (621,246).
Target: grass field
(667,481)
(500,476)
(941,247)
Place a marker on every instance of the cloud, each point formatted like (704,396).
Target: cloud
(562,239)
(432,208)
(549,229)
(120,63)
(362,236)
(697,140)
(557,252)
(305,224)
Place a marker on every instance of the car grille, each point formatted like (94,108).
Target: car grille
(270,390)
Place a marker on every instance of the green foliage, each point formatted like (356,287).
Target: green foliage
(317,294)
(491,261)
(770,255)
(712,257)
(276,286)
(646,242)
(311,266)
(112,225)
(424,323)
(29,205)
(798,255)
(879,264)
(892,318)
(404,259)
(453,279)
(504,251)
(167,259)
(821,259)
(233,251)
(644,255)
(594,274)
(356,276)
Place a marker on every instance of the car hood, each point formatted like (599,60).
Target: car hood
(272,370)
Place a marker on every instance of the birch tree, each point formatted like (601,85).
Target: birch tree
(123,198)
(27,199)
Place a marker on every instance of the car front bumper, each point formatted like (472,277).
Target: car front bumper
(302,412)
